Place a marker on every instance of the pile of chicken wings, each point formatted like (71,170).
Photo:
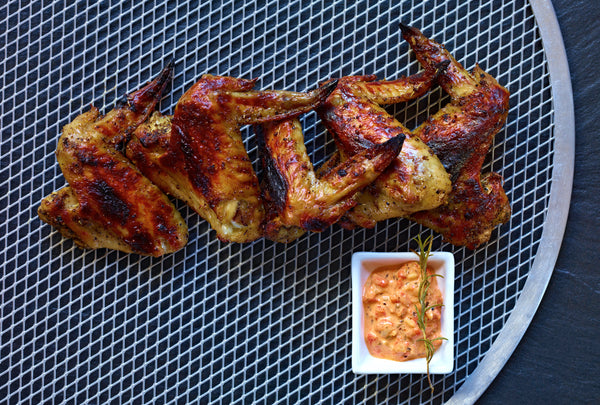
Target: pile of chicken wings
(121,166)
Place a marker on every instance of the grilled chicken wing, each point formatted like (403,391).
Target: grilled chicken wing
(108,202)
(202,159)
(296,199)
(416,180)
(460,134)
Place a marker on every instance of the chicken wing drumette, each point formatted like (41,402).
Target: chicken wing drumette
(108,202)
(461,134)
(416,179)
(297,199)
(201,159)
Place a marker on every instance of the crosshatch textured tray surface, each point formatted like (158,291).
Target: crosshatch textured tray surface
(258,322)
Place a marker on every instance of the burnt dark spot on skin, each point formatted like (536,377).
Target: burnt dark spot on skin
(165,227)
(471,183)
(86,156)
(342,172)
(76,168)
(147,139)
(200,181)
(275,184)
(139,158)
(122,144)
(140,243)
(108,164)
(122,102)
(314,225)
(111,205)
(192,162)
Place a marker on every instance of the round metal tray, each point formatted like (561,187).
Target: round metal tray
(260,322)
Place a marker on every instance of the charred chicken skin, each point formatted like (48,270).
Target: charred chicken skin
(416,179)
(108,202)
(461,134)
(298,200)
(431,175)
(202,160)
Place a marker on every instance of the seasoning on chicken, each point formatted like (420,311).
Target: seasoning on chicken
(202,159)
(461,134)
(108,202)
(298,200)
(416,179)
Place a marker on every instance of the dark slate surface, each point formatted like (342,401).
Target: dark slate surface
(558,360)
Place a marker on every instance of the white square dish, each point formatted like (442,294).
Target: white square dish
(363,263)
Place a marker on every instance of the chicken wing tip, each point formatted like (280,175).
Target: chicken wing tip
(327,88)
(394,143)
(406,29)
(166,73)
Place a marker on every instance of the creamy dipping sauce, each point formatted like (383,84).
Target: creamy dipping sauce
(389,298)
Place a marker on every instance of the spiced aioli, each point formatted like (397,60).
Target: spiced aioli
(389,298)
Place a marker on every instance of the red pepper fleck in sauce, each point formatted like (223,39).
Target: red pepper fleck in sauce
(389,298)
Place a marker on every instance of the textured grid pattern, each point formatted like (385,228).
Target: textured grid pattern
(257,322)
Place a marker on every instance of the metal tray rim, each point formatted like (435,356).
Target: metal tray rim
(556,218)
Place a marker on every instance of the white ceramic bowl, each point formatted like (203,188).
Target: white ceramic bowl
(363,263)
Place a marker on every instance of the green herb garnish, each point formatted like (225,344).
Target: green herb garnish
(424,253)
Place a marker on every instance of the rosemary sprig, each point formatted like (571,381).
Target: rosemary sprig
(424,253)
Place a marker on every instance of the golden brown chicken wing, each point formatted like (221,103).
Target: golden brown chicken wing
(202,159)
(298,200)
(416,179)
(460,134)
(108,202)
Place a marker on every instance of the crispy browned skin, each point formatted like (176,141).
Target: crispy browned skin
(296,198)
(202,160)
(416,180)
(108,202)
(460,134)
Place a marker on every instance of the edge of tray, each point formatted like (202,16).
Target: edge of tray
(556,217)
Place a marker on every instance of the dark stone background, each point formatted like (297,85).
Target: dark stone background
(558,360)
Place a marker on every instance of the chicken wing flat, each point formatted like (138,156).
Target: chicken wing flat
(298,200)
(416,179)
(109,203)
(461,134)
(202,159)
